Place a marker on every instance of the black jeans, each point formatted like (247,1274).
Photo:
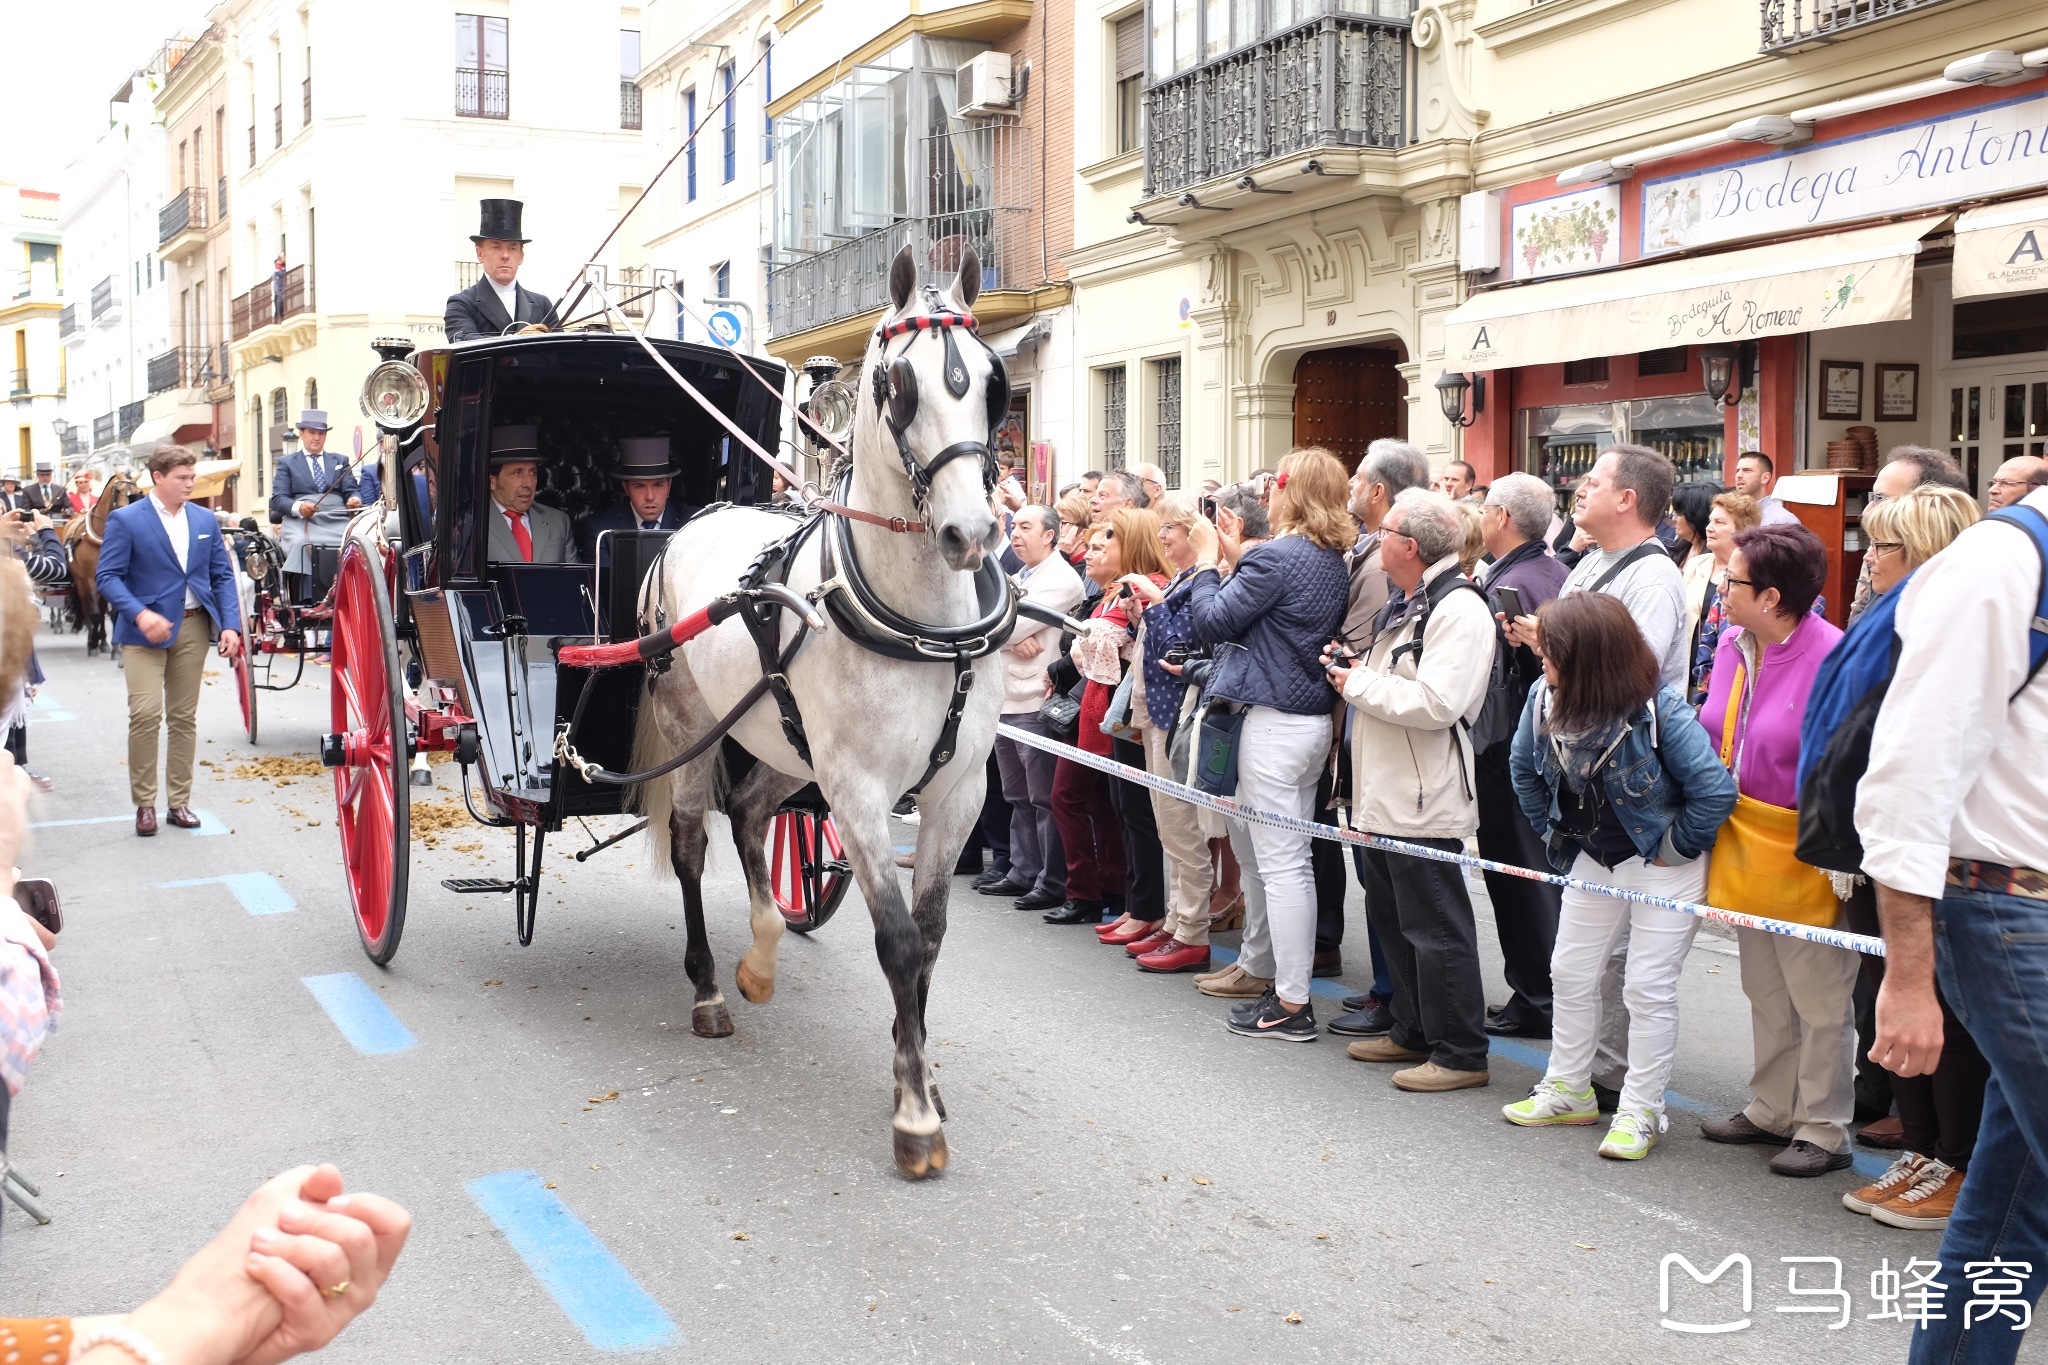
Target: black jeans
(1524,912)
(1874,1091)
(1144,855)
(1326,864)
(1423,918)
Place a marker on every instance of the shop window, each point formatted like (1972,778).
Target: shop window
(1113,385)
(1560,444)
(2001,326)
(1670,360)
(1593,371)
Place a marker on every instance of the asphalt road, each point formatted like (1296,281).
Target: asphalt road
(1129,1182)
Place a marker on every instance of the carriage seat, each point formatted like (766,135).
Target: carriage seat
(555,599)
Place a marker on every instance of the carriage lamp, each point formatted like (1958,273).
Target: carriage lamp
(1450,395)
(394,396)
(830,409)
(1727,371)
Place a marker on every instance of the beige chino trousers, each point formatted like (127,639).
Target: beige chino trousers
(164,684)
(1187,849)
(1803,1021)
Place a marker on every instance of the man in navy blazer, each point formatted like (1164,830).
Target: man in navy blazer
(165,568)
(645,476)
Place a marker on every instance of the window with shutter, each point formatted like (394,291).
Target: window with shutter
(1129,34)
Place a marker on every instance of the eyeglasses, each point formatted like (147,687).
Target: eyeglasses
(1874,499)
(1886,546)
(1749,583)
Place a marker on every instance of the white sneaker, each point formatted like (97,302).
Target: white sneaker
(1551,1103)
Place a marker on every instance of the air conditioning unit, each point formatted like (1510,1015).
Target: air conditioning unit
(984,85)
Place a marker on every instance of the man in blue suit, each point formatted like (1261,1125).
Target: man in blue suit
(165,568)
(303,482)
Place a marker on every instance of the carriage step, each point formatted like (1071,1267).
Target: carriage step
(835,867)
(477,886)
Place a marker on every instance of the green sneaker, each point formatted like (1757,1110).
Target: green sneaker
(1633,1135)
(1552,1102)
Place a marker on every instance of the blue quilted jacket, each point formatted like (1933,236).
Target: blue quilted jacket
(1283,604)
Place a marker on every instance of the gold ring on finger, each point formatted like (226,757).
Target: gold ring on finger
(335,1291)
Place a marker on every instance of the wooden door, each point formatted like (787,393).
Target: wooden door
(1348,397)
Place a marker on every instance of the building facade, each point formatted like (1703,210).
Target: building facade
(361,138)
(32,302)
(192,380)
(119,317)
(1820,246)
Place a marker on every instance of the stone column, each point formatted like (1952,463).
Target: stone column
(1213,442)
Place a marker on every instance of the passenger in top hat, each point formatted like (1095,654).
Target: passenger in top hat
(522,530)
(645,474)
(44,495)
(497,300)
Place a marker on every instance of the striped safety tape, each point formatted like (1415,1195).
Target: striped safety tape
(1224,806)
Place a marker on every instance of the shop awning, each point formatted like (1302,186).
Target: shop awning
(213,476)
(2002,248)
(1008,342)
(1844,279)
(191,422)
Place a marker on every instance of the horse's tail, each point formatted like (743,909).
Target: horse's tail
(655,797)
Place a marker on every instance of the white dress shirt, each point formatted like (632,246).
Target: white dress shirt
(175,527)
(508,295)
(1956,770)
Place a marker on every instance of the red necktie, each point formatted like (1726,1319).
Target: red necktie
(521,536)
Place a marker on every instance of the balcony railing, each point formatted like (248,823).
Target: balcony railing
(1336,81)
(976,191)
(629,104)
(102,297)
(20,388)
(72,443)
(129,418)
(633,290)
(67,322)
(185,209)
(481,93)
(270,302)
(1790,24)
(181,367)
(103,429)
(467,273)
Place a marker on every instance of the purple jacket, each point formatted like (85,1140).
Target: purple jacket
(1766,754)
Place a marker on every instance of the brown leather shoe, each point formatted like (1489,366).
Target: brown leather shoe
(1384,1049)
(1887,1134)
(145,820)
(182,817)
(1429,1078)
(1328,964)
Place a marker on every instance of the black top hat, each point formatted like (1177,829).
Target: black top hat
(644,457)
(510,445)
(499,221)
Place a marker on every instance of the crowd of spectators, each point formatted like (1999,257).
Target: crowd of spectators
(1617,693)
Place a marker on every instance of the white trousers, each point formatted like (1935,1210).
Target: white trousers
(1588,927)
(1280,756)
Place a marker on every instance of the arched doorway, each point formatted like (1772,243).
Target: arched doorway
(1347,397)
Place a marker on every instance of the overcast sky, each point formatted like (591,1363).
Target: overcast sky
(65,58)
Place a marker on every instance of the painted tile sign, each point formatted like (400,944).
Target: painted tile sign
(1568,233)
(1993,149)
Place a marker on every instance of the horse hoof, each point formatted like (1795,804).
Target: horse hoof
(758,989)
(920,1156)
(711,1021)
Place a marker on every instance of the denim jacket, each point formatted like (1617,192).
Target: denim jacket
(1663,780)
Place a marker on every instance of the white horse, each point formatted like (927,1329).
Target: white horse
(872,721)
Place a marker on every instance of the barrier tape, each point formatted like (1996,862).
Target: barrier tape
(1835,938)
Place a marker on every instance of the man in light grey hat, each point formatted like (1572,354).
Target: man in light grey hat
(45,495)
(645,475)
(312,480)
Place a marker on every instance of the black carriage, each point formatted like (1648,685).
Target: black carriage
(436,646)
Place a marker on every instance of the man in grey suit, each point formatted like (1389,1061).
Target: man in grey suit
(522,530)
(497,300)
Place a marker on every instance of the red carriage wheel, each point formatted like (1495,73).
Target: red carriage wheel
(245,678)
(807,869)
(372,797)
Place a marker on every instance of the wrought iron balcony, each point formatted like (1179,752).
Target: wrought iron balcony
(976,192)
(103,429)
(270,302)
(184,211)
(629,104)
(20,389)
(181,367)
(73,443)
(482,93)
(129,418)
(67,321)
(102,298)
(1336,81)
(1792,24)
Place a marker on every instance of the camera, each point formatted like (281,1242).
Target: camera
(1177,653)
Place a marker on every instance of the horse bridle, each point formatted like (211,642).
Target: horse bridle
(896,397)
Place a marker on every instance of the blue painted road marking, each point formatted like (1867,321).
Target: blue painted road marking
(45,708)
(259,892)
(600,1296)
(1537,1059)
(209,823)
(367,1022)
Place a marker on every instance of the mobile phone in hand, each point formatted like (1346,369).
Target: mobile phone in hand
(37,896)
(1510,602)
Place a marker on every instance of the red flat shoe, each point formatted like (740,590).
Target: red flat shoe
(1176,956)
(1131,933)
(1105,930)
(1148,943)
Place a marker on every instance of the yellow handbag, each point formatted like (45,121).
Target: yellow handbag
(1754,870)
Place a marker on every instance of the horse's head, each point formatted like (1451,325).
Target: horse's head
(939,392)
